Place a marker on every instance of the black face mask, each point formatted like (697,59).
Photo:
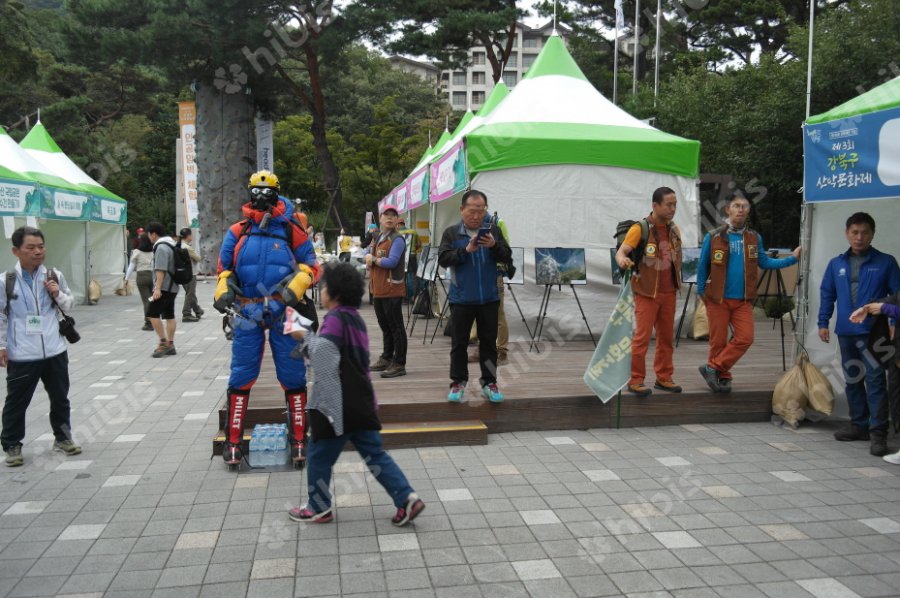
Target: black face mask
(263,198)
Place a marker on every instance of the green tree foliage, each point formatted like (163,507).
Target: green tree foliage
(380,118)
(445,31)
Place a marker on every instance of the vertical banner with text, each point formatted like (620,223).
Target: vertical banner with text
(187,114)
(448,174)
(265,153)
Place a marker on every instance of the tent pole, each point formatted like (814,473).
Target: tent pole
(658,27)
(809,56)
(616,66)
(87,262)
(637,32)
(807,214)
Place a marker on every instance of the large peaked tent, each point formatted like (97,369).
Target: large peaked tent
(562,165)
(851,164)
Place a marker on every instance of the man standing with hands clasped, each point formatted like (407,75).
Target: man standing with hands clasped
(31,347)
(727,277)
(655,282)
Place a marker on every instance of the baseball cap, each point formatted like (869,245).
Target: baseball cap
(390,207)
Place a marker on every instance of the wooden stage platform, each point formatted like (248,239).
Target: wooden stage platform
(544,391)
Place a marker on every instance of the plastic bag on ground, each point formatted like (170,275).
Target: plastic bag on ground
(820,393)
(789,398)
(701,322)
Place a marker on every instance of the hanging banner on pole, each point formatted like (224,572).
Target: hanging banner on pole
(852,158)
(610,367)
(187,114)
(401,197)
(418,188)
(265,153)
(448,174)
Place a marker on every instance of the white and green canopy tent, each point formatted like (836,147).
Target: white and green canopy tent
(562,165)
(851,164)
(84,224)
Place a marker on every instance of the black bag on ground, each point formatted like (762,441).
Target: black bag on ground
(422,306)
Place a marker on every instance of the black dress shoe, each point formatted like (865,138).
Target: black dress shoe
(852,433)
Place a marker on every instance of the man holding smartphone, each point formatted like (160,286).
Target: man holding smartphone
(472,249)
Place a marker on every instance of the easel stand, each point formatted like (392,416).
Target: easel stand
(781,302)
(687,300)
(444,309)
(542,316)
(521,315)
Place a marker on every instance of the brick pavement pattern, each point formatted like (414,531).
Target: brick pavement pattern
(735,510)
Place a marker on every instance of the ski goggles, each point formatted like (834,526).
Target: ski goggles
(267,192)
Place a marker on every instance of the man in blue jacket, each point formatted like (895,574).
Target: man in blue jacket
(31,347)
(472,249)
(859,276)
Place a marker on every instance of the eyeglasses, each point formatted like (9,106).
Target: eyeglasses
(264,191)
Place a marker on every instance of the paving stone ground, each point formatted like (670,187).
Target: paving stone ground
(738,510)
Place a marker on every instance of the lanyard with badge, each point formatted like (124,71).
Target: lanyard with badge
(33,322)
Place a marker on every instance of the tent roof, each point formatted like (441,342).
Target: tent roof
(886,95)
(41,146)
(16,160)
(555,116)
(498,94)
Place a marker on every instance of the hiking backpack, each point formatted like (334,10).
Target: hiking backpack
(637,253)
(183,268)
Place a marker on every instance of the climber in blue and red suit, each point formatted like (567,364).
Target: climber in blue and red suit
(267,262)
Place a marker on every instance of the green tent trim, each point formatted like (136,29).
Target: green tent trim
(488,147)
(883,97)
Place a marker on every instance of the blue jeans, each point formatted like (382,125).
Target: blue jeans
(323,453)
(865,384)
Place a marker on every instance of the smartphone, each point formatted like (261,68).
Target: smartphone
(483,232)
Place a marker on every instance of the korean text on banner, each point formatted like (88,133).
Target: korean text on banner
(265,154)
(853,158)
(14,197)
(448,174)
(418,188)
(610,367)
(187,113)
(401,197)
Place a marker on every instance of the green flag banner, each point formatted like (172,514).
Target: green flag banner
(610,367)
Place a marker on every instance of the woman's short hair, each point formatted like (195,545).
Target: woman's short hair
(344,283)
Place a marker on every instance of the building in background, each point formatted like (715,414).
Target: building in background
(468,87)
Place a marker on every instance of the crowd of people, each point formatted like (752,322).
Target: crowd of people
(268,262)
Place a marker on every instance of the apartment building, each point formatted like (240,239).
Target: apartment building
(468,87)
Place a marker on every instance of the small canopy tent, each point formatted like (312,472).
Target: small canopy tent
(851,164)
(562,165)
(83,223)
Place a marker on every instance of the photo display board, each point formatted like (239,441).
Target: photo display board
(558,265)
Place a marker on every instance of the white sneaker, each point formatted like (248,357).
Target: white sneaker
(893,459)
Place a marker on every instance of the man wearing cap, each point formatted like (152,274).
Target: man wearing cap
(388,283)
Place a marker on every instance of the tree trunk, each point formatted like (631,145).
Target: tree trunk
(225,156)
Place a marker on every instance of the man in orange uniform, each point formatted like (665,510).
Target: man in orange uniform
(727,277)
(654,243)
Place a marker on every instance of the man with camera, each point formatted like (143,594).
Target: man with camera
(31,346)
